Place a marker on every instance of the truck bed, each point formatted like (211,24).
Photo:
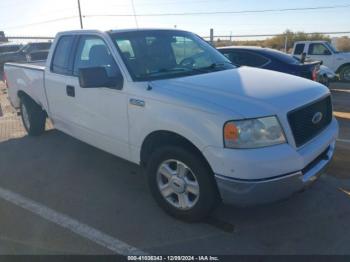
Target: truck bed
(27,78)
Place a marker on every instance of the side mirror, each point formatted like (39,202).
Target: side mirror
(302,58)
(94,77)
(327,52)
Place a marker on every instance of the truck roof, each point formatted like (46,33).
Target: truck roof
(240,47)
(118,30)
(311,41)
(143,29)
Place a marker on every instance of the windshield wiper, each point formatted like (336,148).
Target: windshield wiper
(166,70)
(214,65)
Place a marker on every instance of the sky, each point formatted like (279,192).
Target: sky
(47,17)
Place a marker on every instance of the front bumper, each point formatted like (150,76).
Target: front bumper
(249,192)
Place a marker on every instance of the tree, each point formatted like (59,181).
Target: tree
(343,44)
(278,42)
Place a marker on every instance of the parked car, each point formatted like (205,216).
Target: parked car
(323,51)
(21,54)
(5,48)
(37,55)
(271,59)
(324,74)
(203,129)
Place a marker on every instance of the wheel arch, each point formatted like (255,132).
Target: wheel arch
(341,67)
(21,94)
(161,138)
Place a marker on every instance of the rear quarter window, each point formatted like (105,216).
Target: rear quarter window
(283,57)
(299,49)
(60,60)
(246,58)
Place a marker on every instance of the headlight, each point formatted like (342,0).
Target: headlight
(253,133)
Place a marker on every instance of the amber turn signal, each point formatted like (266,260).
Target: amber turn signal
(231,132)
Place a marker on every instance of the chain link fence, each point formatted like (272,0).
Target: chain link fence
(283,42)
(27,39)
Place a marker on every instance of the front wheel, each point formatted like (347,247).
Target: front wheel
(344,74)
(182,183)
(33,117)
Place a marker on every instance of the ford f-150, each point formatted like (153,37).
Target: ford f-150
(203,129)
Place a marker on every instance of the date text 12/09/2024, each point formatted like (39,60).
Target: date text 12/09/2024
(173,258)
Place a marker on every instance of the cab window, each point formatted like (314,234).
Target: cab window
(60,60)
(244,58)
(318,49)
(299,49)
(92,51)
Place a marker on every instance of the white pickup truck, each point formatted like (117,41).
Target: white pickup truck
(323,51)
(203,129)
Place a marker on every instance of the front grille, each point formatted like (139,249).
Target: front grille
(301,120)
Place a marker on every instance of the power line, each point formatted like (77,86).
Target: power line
(224,12)
(41,22)
(182,14)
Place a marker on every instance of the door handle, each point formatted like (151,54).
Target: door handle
(137,102)
(70,91)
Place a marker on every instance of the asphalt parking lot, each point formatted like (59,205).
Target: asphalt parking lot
(61,196)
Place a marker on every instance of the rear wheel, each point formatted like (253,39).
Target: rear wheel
(182,183)
(344,73)
(33,117)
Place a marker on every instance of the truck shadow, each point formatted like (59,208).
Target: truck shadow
(111,194)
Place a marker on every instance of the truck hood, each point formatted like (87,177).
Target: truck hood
(245,91)
(345,55)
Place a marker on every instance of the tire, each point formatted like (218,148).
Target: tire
(324,81)
(33,117)
(199,177)
(344,74)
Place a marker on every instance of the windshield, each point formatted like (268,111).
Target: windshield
(161,54)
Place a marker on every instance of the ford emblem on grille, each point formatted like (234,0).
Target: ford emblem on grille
(317,118)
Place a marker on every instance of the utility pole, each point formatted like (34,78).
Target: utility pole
(81,18)
(286,43)
(135,17)
(212,36)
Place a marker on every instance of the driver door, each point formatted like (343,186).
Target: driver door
(320,52)
(100,114)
